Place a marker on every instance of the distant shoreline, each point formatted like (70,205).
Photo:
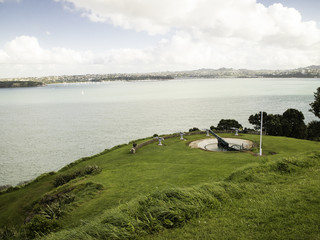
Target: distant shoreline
(29,83)
(305,72)
(20,84)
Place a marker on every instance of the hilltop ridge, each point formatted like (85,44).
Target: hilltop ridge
(305,72)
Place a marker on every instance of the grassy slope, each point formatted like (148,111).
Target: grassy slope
(275,199)
(274,206)
(126,176)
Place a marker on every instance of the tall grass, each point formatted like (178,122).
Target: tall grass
(160,210)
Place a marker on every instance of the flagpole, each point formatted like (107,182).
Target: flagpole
(261,134)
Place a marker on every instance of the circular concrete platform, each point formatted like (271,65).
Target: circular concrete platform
(211,144)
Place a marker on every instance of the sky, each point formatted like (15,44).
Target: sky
(68,37)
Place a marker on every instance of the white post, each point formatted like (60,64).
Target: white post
(181,136)
(261,133)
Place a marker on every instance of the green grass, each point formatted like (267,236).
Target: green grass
(125,177)
(281,206)
(280,201)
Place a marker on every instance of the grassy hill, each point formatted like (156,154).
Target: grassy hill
(174,192)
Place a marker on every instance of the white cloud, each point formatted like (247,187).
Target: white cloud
(3,57)
(242,26)
(203,33)
(24,56)
(27,50)
(228,18)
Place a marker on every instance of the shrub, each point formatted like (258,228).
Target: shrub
(283,167)
(213,128)
(227,124)
(313,130)
(40,226)
(52,211)
(194,129)
(65,178)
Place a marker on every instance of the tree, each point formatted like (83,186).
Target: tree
(315,106)
(194,129)
(256,120)
(273,125)
(313,130)
(293,124)
(227,124)
(212,128)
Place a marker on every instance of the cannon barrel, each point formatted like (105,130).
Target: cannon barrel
(221,142)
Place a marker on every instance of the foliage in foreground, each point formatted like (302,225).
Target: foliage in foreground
(174,208)
(44,216)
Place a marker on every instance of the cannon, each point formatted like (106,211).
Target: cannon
(223,144)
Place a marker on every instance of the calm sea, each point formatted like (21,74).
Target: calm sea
(43,129)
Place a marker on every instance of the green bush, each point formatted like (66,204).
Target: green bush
(283,167)
(65,178)
(40,226)
(313,130)
(194,129)
(227,124)
(52,211)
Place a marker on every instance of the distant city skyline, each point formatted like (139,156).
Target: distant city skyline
(66,37)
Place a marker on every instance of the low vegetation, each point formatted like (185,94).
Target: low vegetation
(62,179)
(173,192)
(274,204)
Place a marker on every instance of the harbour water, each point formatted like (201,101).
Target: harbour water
(43,129)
